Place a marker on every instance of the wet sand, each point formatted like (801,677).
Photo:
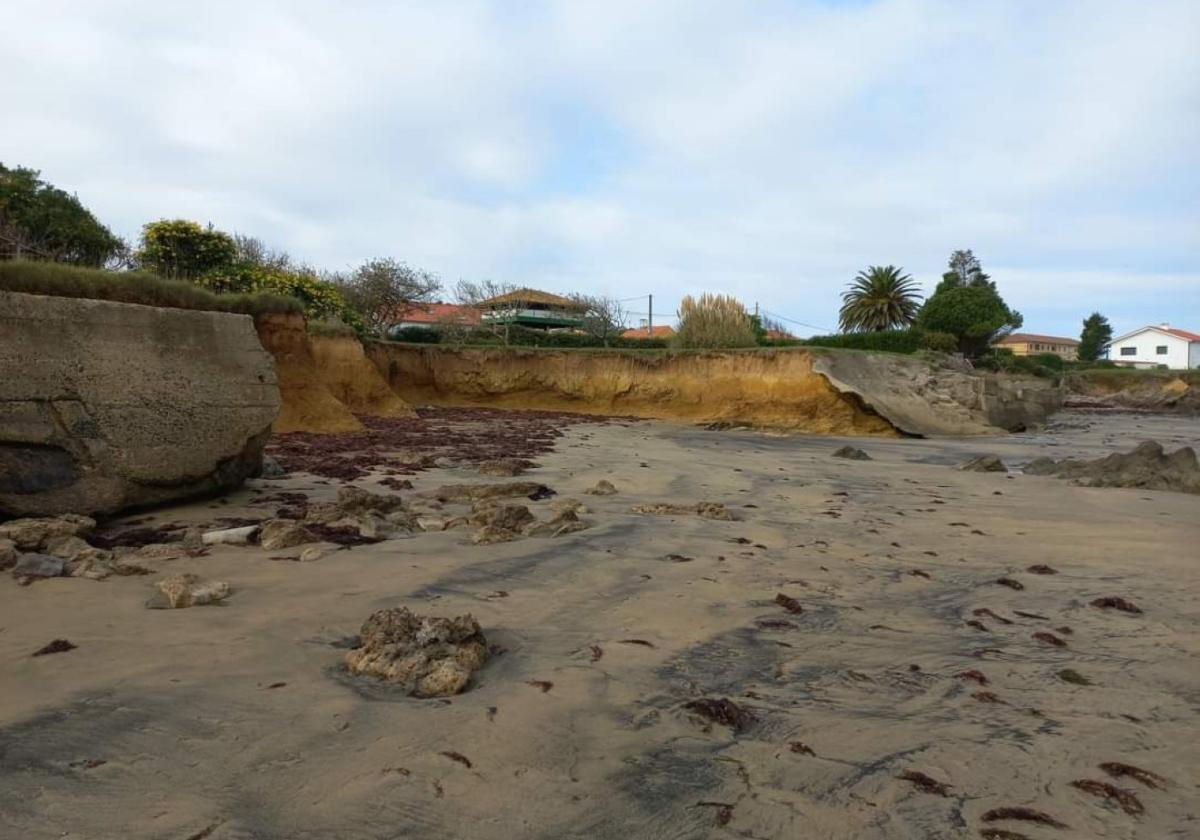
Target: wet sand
(234,721)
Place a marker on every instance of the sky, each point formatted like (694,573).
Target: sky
(770,150)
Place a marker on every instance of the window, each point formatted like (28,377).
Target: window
(1128,351)
(1161,349)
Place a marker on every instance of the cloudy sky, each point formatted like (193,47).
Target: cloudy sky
(767,149)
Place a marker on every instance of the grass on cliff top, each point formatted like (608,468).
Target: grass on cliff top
(59,280)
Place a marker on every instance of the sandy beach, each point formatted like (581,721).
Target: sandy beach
(900,654)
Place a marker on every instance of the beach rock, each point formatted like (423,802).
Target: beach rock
(311,554)
(111,405)
(503,467)
(230,536)
(431,523)
(371,513)
(852,453)
(276,534)
(706,510)
(187,590)
(508,517)
(32,534)
(94,564)
(985,463)
(572,505)
(531,490)
(163,551)
(66,546)
(38,566)
(8,554)
(564,522)
(1148,467)
(427,656)
(603,487)
(489,534)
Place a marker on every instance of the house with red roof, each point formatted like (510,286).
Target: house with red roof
(433,315)
(1157,346)
(660,331)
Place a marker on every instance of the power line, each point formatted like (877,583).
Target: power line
(794,321)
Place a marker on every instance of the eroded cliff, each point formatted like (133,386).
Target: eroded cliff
(324,381)
(826,392)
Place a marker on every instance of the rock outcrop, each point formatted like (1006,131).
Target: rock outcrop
(1148,466)
(106,406)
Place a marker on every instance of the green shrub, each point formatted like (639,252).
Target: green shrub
(939,341)
(331,328)
(415,335)
(1050,360)
(889,341)
(61,280)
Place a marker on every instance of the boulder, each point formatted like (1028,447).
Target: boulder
(187,590)
(427,656)
(106,406)
(276,534)
(985,463)
(33,534)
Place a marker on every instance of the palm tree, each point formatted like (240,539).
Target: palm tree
(880,298)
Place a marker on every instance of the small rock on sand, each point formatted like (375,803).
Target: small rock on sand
(706,510)
(852,453)
(187,590)
(311,554)
(985,463)
(276,534)
(503,467)
(38,566)
(603,487)
(428,656)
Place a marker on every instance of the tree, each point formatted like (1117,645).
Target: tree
(1096,336)
(974,314)
(965,270)
(603,317)
(41,219)
(180,249)
(880,298)
(713,321)
(381,289)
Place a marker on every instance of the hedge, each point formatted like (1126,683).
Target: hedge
(522,337)
(62,280)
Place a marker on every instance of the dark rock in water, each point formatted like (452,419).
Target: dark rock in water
(38,566)
(852,453)
(723,711)
(428,656)
(985,463)
(1148,467)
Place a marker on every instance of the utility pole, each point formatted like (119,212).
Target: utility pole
(650,320)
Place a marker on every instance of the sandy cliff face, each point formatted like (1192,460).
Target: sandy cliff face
(1166,392)
(323,382)
(789,390)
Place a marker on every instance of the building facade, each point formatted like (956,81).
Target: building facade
(1157,346)
(1031,344)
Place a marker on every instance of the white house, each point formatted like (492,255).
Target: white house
(1160,346)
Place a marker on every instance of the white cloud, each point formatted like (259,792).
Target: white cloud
(768,149)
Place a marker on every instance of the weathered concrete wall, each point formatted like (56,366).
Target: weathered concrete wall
(105,406)
(826,392)
(324,382)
